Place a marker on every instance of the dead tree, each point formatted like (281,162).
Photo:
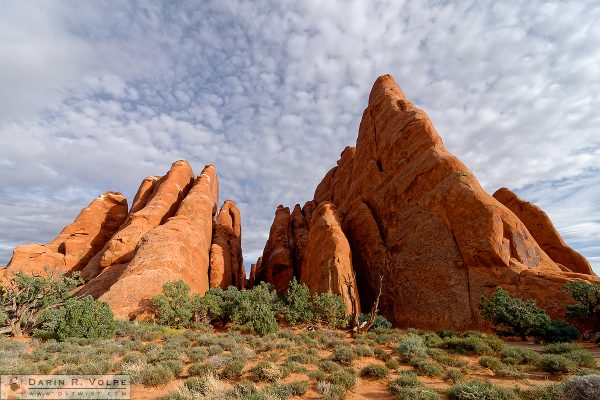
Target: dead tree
(355,327)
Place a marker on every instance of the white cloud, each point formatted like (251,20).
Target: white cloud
(97,96)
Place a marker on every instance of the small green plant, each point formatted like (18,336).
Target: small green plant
(156,375)
(519,356)
(267,371)
(345,378)
(411,346)
(343,355)
(374,371)
(329,309)
(407,387)
(513,316)
(557,331)
(582,388)
(587,298)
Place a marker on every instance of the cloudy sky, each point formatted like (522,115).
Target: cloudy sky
(94,96)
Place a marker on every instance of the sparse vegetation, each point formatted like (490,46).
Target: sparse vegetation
(587,298)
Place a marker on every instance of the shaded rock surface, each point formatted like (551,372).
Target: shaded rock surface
(543,231)
(226,262)
(78,242)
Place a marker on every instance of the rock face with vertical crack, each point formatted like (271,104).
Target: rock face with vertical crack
(543,231)
(226,262)
(160,205)
(77,242)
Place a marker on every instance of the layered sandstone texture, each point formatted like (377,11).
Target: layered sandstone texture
(543,231)
(416,216)
(71,250)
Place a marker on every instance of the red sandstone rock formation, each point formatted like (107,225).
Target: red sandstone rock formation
(328,257)
(77,242)
(226,262)
(162,204)
(416,215)
(277,264)
(144,193)
(177,249)
(543,231)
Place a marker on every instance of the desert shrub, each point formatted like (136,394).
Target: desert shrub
(582,388)
(200,369)
(343,355)
(197,353)
(411,346)
(26,299)
(234,368)
(512,316)
(542,392)
(329,309)
(380,321)
(266,371)
(467,345)
(407,387)
(256,309)
(431,339)
(443,333)
(330,391)
(392,363)
(345,378)
(446,359)
(287,390)
(561,348)
(175,307)
(80,318)
(156,375)
(317,375)
(381,354)
(587,298)
(428,367)
(499,368)
(557,364)
(297,307)
(480,390)
(557,331)
(375,371)
(175,366)
(519,356)
(363,351)
(454,375)
(214,349)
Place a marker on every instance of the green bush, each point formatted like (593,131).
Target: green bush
(81,318)
(267,371)
(255,310)
(175,307)
(542,392)
(587,298)
(557,331)
(467,345)
(454,375)
(392,363)
(287,390)
(561,348)
(499,368)
(297,307)
(329,309)
(446,359)
(513,316)
(411,346)
(557,364)
(233,369)
(375,371)
(480,390)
